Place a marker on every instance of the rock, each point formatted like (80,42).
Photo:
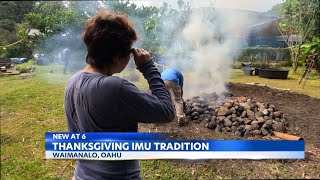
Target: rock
(212,125)
(244,114)
(228,105)
(279,127)
(277,114)
(236,107)
(249,112)
(248,127)
(264,131)
(251,117)
(228,129)
(241,99)
(261,120)
(224,111)
(188,118)
(213,113)
(220,118)
(194,114)
(244,105)
(196,121)
(267,124)
(200,99)
(247,121)
(241,128)
(195,104)
(277,119)
(241,108)
(223,130)
(240,120)
(255,126)
(246,133)
(205,105)
(205,122)
(253,108)
(238,113)
(237,133)
(218,128)
(211,108)
(233,110)
(236,124)
(213,118)
(255,122)
(270,109)
(229,100)
(195,97)
(258,114)
(188,111)
(200,117)
(271,115)
(200,110)
(260,105)
(252,105)
(207,112)
(266,118)
(233,128)
(284,121)
(227,122)
(265,112)
(256,132)
(194,117)
(234,116)
(208,116)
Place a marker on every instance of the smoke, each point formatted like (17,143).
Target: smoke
(202,46)
(205,48)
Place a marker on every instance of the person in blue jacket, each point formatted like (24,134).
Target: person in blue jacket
(173,79)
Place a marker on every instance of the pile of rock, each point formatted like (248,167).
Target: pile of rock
(240,115)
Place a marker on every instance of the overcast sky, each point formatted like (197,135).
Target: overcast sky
(253,5)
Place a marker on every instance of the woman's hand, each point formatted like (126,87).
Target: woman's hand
(140,56)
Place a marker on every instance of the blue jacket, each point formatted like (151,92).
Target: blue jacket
(173,74)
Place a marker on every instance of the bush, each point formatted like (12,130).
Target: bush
(284,64)
(31,62)
(260,64)
(236,65)
(24,68)
(257,54)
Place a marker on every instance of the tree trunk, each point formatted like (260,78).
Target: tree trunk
(295,59)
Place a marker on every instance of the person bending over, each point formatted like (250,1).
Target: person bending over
(97,101)
(173,80)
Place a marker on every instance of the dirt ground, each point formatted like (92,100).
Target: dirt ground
(302,113)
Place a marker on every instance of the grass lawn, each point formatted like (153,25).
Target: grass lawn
(311,88)
(32,106)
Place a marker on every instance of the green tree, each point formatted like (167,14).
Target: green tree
(12,12)
(298,25)
(312,49)
(11,15)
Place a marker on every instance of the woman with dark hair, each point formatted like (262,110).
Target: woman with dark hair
(96,101)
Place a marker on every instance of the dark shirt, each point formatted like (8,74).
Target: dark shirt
(173,74)
(100,103)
